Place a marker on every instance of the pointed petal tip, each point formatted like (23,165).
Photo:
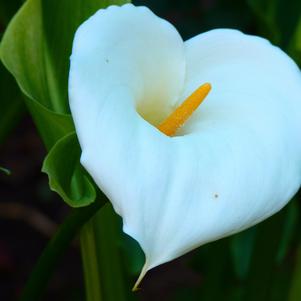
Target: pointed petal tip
(140,278)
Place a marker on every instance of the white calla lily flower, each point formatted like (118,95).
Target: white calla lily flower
(235,162)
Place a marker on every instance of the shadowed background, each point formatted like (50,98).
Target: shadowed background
(262,263)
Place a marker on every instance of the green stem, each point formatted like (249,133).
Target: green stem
(90,264)
(54,251)
(101,259)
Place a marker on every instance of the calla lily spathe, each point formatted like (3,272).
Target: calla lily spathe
(235,162)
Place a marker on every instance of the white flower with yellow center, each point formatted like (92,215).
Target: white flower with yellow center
(179,183)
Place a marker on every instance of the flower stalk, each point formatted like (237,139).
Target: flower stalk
(104,279)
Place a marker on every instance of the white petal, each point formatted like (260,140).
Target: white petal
(122,57)
(239,159)
(129,48)
(245,135)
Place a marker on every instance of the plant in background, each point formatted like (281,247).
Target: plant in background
(191,141)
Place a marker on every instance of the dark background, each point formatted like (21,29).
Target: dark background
(259,264)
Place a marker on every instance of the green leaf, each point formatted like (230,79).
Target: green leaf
(103,269)
(66,175)
(52,126)
(264,258)
(6,171)
(266,12)
(35,49)
(11,103)
(37,45)
(289,230)
(59,26)
(11,100)
(241,247)
(295,289)
(295,45)
(134,256)
(23,52)
(273,17)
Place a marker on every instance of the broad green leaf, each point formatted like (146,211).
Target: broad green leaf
(37,45)
(23,52)
(11,103)
(35,49)
(61,18)
(51,125)
(66,175)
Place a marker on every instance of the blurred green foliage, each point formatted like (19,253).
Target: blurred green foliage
(278,20)
(11,104)
(11,101)
(70,183)
(35,48)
